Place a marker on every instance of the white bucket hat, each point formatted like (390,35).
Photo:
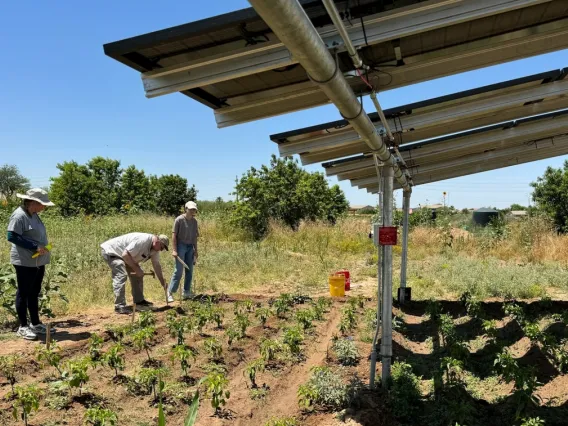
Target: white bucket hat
(190,205)
(36,194)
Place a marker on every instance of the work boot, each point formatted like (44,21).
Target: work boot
(122,310)
(144,302)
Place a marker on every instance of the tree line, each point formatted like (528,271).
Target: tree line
(281,191)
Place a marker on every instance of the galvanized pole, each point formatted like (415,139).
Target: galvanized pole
(380,269)
(404,256)
(291,25)
(386,339)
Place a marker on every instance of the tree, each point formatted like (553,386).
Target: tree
(516,207)
(12,181)
(171,193)
(551,195)
(135,191)
(285,192)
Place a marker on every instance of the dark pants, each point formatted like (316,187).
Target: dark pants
(29,285)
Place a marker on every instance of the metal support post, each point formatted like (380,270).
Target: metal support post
(404,255)
(380,269)
(386,339)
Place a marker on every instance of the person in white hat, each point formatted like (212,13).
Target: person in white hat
(28,236)
(124,254)
(184,240)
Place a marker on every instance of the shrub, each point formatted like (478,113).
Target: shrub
(325,389)
(345,351)
(404,396)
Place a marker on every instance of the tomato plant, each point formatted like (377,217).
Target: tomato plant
(26,401)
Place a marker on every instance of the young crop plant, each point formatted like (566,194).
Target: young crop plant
(324,302)
(118,332)
(148,378)
(370,316)
(213,348)
(142,339)
(114,358)
(318,311)
(75,374)
(252,368)
(184,355)
(233,333)
(146,319)
(404,396)
(282,421)
(242,321)
(515,311)
(345,351)
(262,314)
(26,400)
(177,326)
(348,319)
(202,317)
(447,329)
(51,356)
(281,307)
(304,318)
(216,383)
(293,338)
(533,421)
(95,348)
(269,348)
(217,315)
(453,369)
(433,310)
(490,329)
(325,389)
(249,305)
(9,368)
(97,416)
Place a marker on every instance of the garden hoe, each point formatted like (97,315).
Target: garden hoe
(186,267)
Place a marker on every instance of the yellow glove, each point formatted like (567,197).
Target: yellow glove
(47,247)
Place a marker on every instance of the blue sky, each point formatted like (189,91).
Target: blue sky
(63,99)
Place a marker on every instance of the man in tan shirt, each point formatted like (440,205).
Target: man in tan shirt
(184,244)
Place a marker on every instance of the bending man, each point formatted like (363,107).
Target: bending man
(124,255)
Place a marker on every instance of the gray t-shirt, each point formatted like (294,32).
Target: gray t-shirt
(31,228)
(138,244)
(186,230)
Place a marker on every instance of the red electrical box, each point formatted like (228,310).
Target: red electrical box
(387,235)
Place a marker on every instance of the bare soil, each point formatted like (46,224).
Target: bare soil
(416,342)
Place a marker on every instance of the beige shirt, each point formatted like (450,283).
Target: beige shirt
(186,230)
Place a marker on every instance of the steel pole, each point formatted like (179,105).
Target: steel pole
(291,25)
(336,19)
(386,339)
(404,255)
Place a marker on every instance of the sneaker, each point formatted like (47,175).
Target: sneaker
(170,298)
(27,333)
(41,329)
(188,296)
(122,310)
(144,302)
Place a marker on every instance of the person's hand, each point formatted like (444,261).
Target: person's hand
(42,250)
(174,253)
(195,258)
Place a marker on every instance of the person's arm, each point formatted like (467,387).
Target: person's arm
(158,270)
(129,260)
(174,238)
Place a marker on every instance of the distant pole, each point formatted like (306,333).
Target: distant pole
(444,193)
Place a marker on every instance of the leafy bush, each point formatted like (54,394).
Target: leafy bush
(325,389)
(269,348)
(404,396)
(284,191)
(345,351)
